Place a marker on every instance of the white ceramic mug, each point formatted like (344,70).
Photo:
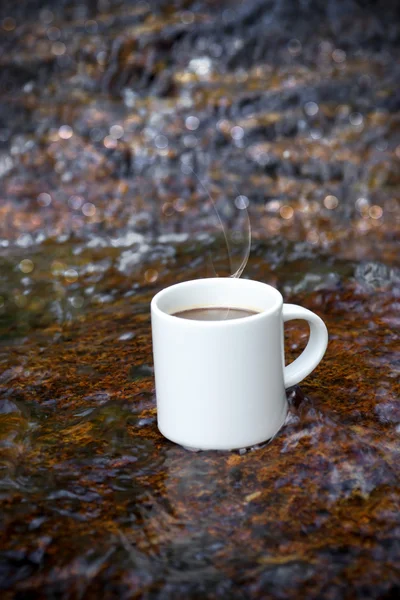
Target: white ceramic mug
(221,385)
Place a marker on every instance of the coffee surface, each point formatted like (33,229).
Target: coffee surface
(214,313)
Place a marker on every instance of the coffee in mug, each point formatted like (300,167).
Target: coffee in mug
(214,313)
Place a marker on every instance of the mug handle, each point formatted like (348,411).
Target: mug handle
(315,349)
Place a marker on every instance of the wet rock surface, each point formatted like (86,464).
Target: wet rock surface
(96,501)
(106,110)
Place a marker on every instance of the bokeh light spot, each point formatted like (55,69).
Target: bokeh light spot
(161,142)
(223,126)
(273,206)
(53,33)
(192,123)
(26,265)
(71,275)
(65,132)
(286,212)
(57,267)
(8,24)
(362,204)
(116,132)
(237,132)
(89,209)
(75,202)
(180,205)
(316,134)
(331,202)
(77,301)
(44,199)
(190,141)
(356,119)
(187,17)
(58,48)
(110,143)
(375,211)
(381,145)
(339,56)
(168,209)
(151,275)
(201,66)
(311,108)
(241,202)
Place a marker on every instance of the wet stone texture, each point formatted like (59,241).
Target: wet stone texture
(106,109)
(95,501)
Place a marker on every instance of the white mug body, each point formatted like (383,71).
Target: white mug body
(219,384)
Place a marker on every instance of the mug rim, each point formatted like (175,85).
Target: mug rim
(278,303)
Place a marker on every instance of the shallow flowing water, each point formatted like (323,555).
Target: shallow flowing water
(106,110)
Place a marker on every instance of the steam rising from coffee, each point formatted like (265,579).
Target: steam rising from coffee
(237,236)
